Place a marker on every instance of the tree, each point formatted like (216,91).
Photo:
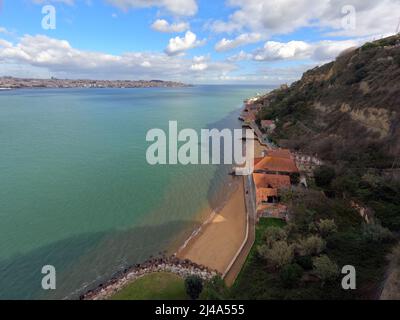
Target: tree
(194,287)
(291,275)
(305,262)
(374,232)
(274,234)
(278,255)
(325,269)
(215,289)
(327,227)
(311,246)
(324,176)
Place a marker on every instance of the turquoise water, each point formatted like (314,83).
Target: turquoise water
(76,191)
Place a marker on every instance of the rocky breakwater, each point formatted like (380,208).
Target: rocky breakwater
(182,268)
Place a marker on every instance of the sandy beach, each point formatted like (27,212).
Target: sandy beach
(221,237)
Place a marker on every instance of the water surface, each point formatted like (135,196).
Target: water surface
(76,191)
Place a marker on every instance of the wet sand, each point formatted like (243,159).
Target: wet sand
(220,238)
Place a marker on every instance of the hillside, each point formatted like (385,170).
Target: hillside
(346,112)
(347,109)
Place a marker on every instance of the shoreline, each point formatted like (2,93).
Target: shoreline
(220,237)
(177,259)
(212,244)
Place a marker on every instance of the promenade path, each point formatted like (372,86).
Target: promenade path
(237,264)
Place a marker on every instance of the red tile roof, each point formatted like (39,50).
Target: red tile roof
(274,164)
(267,123)
(271,181)
(264,193)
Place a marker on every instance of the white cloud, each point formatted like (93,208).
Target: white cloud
(5,44)
(199,59)
(176,7)
(43,55)
(282,51)
(162,25)
(329,50)
(179,45)
(199,66)
(200,63)
(242,55)
(243,39)
(299,50)
(146,64)
(285,16)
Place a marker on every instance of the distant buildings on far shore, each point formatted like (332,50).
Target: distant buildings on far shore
(19,83)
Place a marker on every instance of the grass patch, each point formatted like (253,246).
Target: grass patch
(253,281)
(155,286)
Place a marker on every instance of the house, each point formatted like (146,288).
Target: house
(271,181)
(268,187)
(250,117)
(266,195)
(275,165)
(268,125)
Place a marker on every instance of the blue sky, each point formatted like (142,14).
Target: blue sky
(198,41)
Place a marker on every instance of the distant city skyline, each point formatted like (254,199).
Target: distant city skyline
(193,41)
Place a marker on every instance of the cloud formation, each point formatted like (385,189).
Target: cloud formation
(284,16)
(298,50)
(162,25)
(241,40)
(60,59)
(179,45)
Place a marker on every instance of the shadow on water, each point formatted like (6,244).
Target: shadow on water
(82,262)
(221,184)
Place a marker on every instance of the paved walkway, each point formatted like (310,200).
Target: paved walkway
(250,197)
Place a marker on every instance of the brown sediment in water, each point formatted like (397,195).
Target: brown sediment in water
(217,242)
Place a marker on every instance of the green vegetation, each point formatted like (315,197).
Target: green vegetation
(389,41)
(155,286)
(215,289)
(324,176)
(325,269)
(194,287)
(291,274)
(350,215)
(316,116)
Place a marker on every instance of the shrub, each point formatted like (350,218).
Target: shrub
(374,232)
(369,45)
(194,287)
(327,227)
(305,262)
(324,176)
(311,246)
(215,289)
(397,60)
(325,269)
(278,255)
(291,274)
(395,256)
(274,234)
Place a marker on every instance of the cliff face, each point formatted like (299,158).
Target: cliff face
(344,109)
